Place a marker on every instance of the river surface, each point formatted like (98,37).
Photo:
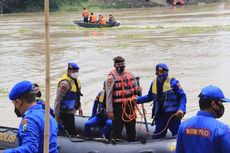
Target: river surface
(193,40)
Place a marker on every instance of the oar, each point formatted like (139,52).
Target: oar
(142,105)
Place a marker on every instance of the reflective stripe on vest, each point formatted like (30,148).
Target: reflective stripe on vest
(171,102)
(122,89)
(102,96)
(70,98)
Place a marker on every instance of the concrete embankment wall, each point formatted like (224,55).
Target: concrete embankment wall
(153,3)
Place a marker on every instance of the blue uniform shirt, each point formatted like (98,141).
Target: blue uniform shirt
(177,89)
(203,134)
(31,132)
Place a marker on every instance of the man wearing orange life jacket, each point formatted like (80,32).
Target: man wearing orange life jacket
(85,14)
(178,2)
(93,18)
(102,21)
(121,87)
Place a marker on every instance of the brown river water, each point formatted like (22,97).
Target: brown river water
(192,40)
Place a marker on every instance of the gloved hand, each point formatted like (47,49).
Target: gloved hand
(139,89)
(180,113)
(110,115)
(80,111)
(134,101)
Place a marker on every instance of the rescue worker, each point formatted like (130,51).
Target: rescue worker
(68,98)
(99,116)
(85,14)
(93,18)
(112,20)
(102,20)
(168,98)
(39,100)
(99,18)
(31,129)
(203,133)
(178,2)
(121,88)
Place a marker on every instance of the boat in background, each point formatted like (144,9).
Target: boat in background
(80,23)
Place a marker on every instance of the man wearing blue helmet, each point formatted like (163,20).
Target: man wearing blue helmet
(169,101)
(203,133)
(31,129)
(68,98)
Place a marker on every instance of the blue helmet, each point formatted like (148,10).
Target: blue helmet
(73,66)
(20,89)
(162,66)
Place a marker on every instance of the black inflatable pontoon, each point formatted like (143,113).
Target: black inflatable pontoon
(144,143)
(80,23)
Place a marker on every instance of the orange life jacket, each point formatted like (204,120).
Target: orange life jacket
(123,87)
(93,18)
(102,21)
(85,13)
(181,2)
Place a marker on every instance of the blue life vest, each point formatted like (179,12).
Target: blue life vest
(72,97)
(41,102)
(171,101)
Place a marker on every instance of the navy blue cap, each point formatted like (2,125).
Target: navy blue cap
(162,66)
(73,66)
(20,89)
(213,92)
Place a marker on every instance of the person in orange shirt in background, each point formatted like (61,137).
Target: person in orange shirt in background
(85,14)
(93,18)
(99,18)
(178,2)
(102,20)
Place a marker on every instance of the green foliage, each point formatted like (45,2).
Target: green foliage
(23,30)
(30,5)
(64,5)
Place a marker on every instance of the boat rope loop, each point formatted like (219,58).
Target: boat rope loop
(129,109)
(165,128)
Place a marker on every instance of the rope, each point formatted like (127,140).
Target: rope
(129,110)
(165,128)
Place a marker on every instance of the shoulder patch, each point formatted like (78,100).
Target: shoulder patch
(62,87)
(25,125)
(109,81)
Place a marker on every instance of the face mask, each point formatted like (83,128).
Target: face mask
(38,94)
(74,75)
(120,69)
(162,77)
(219,113)
(17,112)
